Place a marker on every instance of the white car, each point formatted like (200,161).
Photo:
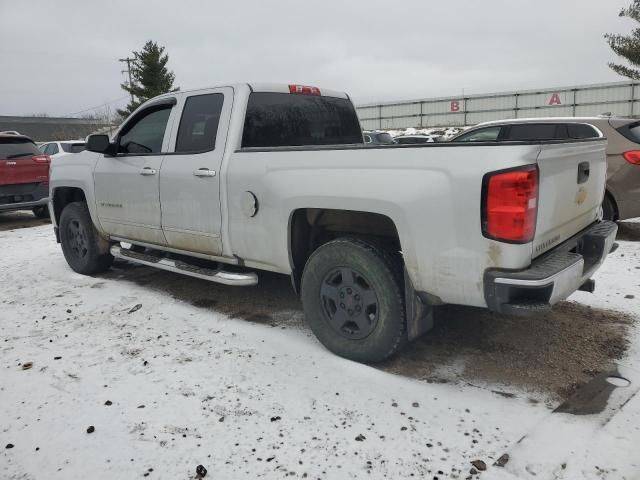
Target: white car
(62,148)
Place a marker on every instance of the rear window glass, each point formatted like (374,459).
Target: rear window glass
(283,119)
(581,131)
(532,132)
(17,148)
(73,147)
(631,131)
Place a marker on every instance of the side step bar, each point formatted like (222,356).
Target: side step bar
(177,266)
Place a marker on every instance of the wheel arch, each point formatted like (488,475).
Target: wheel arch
(309,228)
(62,196)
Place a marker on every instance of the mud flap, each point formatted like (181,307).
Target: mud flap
(419,314)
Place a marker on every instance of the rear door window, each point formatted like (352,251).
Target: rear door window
(534,132)
(73,147)
(145,133)
(17,148)
(199,123)
(284,119)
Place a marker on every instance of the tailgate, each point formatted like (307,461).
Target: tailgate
(7,172)
(571,188)
(24,170)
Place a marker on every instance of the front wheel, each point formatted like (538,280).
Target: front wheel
(80,241)
(353,299)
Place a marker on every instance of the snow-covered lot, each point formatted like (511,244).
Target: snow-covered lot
(172,373)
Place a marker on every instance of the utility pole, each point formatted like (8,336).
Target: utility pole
(128,70)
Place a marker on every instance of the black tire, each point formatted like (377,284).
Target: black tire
(79,240)
(608,209)
(41,212)
(374,274)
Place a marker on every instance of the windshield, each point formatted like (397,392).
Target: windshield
(73,147)
(284,119)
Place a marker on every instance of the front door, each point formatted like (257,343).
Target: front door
(127,183)
(190,175)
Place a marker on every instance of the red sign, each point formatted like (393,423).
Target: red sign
(555,100)
(455,106)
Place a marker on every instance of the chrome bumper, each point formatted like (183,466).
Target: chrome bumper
(553,276)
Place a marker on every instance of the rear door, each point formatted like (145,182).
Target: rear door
(190,175)
(127,184)
(21,162)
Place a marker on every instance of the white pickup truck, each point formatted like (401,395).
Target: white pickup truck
(223,182)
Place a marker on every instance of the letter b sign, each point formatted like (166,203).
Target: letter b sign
(455,106)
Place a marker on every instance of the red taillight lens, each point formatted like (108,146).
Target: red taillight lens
(632,157)
(41,159)
(510,205)
(304,90)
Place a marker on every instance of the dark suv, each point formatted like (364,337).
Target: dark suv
(24,175)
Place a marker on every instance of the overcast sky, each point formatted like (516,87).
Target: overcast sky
(61,57)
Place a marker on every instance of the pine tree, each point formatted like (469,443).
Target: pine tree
(149,75)
(627,46)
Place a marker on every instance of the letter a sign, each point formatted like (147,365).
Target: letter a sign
(555,100)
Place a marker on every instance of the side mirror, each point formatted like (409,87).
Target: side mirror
(99,143)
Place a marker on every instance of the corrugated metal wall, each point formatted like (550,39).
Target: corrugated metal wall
(620,99)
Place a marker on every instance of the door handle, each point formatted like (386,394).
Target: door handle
(204,172)
(148,171)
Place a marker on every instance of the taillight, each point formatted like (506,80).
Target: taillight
(510,205)
(304,90)
(41,159)
(632,157)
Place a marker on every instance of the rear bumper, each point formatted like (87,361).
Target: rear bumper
(553,276)
(23,196)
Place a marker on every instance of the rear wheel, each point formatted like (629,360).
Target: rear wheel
(608,209)
(80,241)
(353,300)
(41,212)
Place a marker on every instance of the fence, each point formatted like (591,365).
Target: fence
(619,99)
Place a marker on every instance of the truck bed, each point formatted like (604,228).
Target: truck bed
(432,192)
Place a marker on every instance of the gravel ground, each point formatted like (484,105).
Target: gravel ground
(19,219)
